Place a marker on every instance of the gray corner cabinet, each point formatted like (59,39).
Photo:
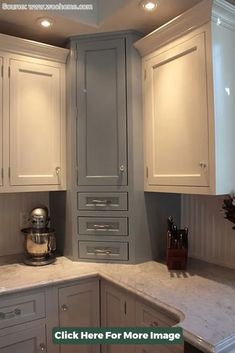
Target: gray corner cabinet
(108,216)
(104,158)
(105,206)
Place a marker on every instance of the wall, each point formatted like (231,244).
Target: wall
(211,237)
(11,206)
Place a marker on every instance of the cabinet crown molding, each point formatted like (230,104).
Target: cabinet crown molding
(32,48)
(204,12)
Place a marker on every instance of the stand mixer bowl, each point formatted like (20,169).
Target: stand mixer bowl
(39,244)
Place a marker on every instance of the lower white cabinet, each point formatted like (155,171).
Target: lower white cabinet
(79,307)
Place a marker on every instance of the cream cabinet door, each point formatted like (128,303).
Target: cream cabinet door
(1,120)
(176,115)
(35,124)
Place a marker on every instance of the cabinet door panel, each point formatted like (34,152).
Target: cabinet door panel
(35,119)
(117,310)
(101,113)
(176,115)
(79,307)
(27,341)
(1,121)
(147,316)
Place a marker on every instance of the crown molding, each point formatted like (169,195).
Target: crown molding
(31,48)
(225,12)
(202,13)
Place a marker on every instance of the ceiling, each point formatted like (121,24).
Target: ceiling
(106,16)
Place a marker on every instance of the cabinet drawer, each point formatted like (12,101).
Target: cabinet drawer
(102,226)
(102,201)
(17,309)
(103,250)
(150,317)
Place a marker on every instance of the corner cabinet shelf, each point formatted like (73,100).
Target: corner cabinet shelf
(32,94)
(189,101)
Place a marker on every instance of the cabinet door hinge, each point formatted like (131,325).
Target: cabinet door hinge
(9,172)
(125,308)
(2,70)
(9,71)
(147,172)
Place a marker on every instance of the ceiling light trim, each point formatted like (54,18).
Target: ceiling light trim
(149,5)
(45,22)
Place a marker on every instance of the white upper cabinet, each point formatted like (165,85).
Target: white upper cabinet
(33,116)
(189,102)
(177,123)
(35,124)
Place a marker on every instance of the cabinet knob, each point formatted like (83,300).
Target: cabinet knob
(64,307)
(42,347)
(154,324)
(122,168)
(57,170)
(202,165)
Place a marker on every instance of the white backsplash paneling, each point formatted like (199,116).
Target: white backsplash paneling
(211,237)
(11,206)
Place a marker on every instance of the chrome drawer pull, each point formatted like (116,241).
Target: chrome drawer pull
(10,314)
(102,226)
(103,251)
(101,202)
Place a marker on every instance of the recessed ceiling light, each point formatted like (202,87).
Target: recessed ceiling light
(149,5)
(45,22)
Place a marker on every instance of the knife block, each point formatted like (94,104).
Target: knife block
(176,258)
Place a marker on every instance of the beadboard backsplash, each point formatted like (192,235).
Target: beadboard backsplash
(211,237)
(11,207)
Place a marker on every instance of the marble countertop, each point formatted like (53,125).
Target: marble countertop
(203,296)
